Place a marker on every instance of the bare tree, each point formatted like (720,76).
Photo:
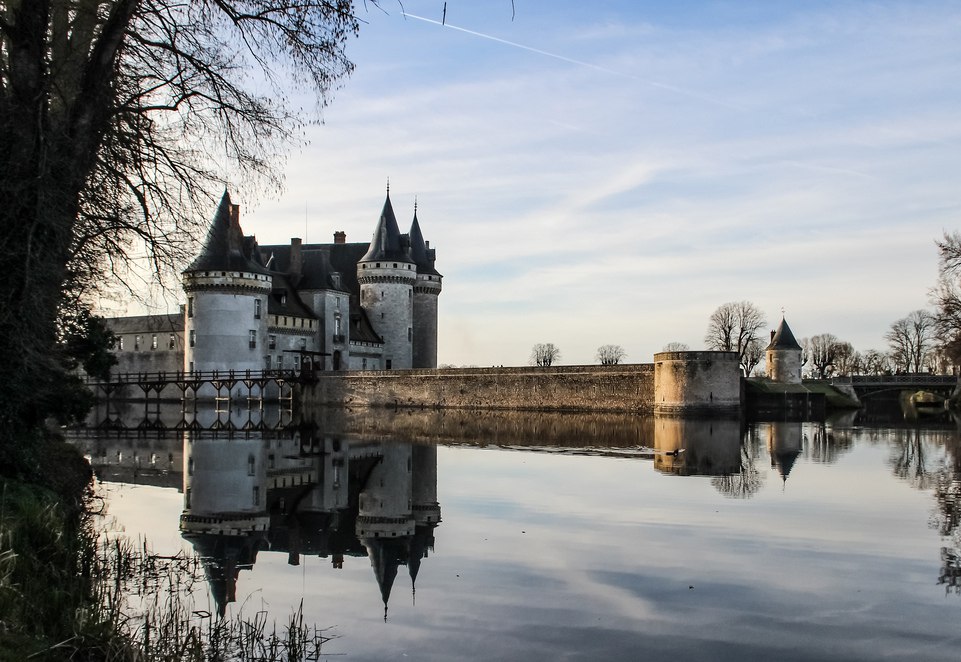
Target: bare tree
(733,326)
(825,349)
(610,354)
(116,120)
(544,354)
(876,362)
(910,339)
(752,356)
(845,359)
(676,347)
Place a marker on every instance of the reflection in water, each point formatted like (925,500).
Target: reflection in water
(307,493)
(679,571)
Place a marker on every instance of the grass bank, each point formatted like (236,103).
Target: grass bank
(69,591)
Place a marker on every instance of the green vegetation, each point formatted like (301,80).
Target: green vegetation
(834,398)
(71,592)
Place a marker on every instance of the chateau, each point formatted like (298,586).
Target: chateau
(336,306)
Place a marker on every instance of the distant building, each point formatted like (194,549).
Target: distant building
(783,356)
(338,306)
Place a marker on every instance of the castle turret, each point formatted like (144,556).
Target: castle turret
(783,356)
(426,290)
(226,320)
(387,274)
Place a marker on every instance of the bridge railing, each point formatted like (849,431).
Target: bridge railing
(197,376)
(914,379)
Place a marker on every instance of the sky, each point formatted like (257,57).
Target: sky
(603,172)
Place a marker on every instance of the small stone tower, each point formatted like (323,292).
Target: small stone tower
(426,290)
(783,356)
(226,315)
(387,274)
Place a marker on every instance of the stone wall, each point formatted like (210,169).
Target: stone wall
(626,388)
(695,383)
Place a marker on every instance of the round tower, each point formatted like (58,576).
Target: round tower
(225,326)
(426,290)
(783,356)
(387,274)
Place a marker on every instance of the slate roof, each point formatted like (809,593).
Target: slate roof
(387,243)
(284,299)
(783,338)
(419,251)
(225,248)
(320,262)
(146,323)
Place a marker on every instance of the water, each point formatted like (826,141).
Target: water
(566,536)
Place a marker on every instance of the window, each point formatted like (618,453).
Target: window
(256,495)
(120,343)
(136,343)
(193,339)
(337,303)
(388,364)
(303,343)
(153,341)
(172,342)
(253,339)
(271,342)
(410,334)
(251,464)
(337,325)
(364,365)
(267,361)
(190,306)
(257,305)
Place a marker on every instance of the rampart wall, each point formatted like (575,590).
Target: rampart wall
(622,388)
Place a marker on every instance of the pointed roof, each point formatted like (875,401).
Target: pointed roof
(419,252)
(784,338)
(224,247)
(386,243)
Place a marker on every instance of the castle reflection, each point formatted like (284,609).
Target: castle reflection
(363,483)
(307,493)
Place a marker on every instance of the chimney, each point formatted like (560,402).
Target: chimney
(772,335)
(296,257)
(340,237)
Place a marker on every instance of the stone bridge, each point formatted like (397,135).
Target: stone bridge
(869,386)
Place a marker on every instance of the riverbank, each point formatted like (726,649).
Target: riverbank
(46,550)
(67,585)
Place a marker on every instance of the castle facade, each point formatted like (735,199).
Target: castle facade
(336,306)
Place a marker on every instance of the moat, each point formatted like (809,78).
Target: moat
(446,535)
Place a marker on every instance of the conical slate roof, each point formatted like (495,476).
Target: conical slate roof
(224,247)
(386,243)
(418,249)
(783,338)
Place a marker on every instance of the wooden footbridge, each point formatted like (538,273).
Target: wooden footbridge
(219,401)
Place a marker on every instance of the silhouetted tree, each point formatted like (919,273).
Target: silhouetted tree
(544,354)
(910,339)
(824,350)
(116,119)
(676,347)
(732,327)
(610,354)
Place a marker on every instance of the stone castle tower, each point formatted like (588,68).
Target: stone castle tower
(399,287)
(783,356)
(337,306)
(227,294)
(426,290)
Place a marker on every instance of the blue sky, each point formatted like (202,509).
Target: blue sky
(611,172)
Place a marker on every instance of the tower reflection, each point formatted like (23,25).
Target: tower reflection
(303,492)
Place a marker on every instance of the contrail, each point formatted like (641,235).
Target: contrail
(580,63)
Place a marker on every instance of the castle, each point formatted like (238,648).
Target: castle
(336,306)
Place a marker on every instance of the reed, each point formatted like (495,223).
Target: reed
(69,591)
